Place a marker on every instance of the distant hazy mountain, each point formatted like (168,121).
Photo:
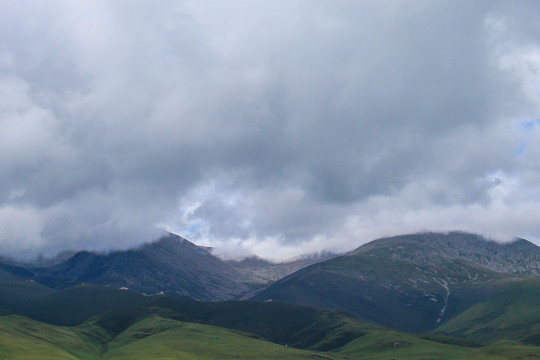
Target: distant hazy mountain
(412,282)
(264,271)
(172,265)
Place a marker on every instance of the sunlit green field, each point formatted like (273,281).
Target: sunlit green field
(155,337)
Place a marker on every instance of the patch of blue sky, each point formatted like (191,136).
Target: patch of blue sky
(520,150)
(193,229)
(528,125)
(525,127)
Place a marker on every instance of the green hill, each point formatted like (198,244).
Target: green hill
(155,337)
(77,304)
(391,345)
(396,345)
(151,338)
(23,338)
(512,314)
(158,338)
(295,325)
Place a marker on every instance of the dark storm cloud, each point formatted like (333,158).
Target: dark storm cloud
(274,127)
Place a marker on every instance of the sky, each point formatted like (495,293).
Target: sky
(266,127)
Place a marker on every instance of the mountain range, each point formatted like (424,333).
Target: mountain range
(451,285)
(171,265)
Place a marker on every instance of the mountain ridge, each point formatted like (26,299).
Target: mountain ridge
(171,264)
(481,250)
(442,282)
(410,282)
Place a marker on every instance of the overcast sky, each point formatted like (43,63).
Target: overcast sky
(267,127)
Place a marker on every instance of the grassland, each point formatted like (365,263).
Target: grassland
(394,345)
(155,337)
(151,338)
(26,339)
(181,340)
(513,314)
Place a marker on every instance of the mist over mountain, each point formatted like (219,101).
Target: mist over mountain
(266,271)
(171,264)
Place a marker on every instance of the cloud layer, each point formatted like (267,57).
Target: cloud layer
(267,127)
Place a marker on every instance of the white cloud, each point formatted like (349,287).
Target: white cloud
(268,127)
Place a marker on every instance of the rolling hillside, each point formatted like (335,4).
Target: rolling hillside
(157,337)
(150,338)
(298,326)
(512,314)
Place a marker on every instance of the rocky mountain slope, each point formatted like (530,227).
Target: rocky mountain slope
(171,265)
(412,282)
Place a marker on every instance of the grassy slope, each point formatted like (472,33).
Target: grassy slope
(77,304)
(158,338)
(375,287)
(297,326)
(513,314)
(23,338)
(380,346)
(17,290)
(151,338)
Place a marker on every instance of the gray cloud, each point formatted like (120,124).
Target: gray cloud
(267,127)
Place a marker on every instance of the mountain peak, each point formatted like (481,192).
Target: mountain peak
(411,282)
(520,256)
(171,264)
